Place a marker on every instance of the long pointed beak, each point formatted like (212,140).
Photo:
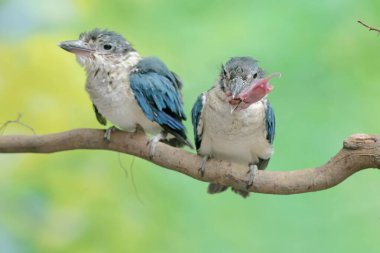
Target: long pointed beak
(75,46)
(237,86)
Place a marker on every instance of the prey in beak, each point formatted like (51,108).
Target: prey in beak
(242,98)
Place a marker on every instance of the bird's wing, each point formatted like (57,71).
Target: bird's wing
(270,124)
(101,119)
(157,91)
(196,118)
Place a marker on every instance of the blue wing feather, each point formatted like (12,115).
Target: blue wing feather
(196,114)
(156,90)
(270,123)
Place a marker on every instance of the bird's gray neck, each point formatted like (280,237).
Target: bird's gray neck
(109,77)
(104,63)
(219,93)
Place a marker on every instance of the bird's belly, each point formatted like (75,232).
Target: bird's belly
(243,151)
(127,118)
(239,137)
(125,113)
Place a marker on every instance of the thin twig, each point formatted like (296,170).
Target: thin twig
(134,183)
(122,165)
(370,28)
(132,176)
(16,121)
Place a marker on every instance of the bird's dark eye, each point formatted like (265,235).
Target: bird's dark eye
(107,47)
(255,75)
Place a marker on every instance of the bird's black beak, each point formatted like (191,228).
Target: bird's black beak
(237,86)
(76,47)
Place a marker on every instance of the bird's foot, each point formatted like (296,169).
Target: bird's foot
(108,132)
(202,167)
(153,142)
(252,171)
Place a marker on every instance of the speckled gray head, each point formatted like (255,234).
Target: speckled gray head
(238,73)
(97,44)
(244,82)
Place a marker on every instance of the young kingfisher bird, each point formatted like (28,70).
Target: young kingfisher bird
(129,90)
(234,120)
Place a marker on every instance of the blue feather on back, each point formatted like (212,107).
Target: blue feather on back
(195,118)
(157,91)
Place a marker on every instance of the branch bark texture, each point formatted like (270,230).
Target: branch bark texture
(359,151)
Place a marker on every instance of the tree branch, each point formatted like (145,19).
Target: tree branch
(370,28)
(360,151)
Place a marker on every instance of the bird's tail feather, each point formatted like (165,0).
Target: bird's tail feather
(174,142)
(179,140)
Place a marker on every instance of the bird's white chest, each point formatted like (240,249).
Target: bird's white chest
(110,92)
(238,137)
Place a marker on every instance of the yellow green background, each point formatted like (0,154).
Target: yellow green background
(84,201)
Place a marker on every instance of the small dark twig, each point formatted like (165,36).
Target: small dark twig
(132,177)
(370,28)
(16,121)
(134,183)
(122,165)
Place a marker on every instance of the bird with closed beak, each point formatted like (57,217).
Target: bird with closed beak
(234,120)
(129,90)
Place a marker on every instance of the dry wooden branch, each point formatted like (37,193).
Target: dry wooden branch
(360,151)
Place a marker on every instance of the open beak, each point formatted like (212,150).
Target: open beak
(76,47)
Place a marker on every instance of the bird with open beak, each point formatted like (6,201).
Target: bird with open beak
(130,90)
(234,120)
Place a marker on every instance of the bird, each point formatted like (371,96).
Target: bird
(235,121)
(129,90)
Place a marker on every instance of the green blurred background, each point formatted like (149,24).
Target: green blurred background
(84,201)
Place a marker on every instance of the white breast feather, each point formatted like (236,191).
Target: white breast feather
(113,97)
(239,137)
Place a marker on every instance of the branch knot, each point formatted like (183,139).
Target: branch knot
(358,141)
